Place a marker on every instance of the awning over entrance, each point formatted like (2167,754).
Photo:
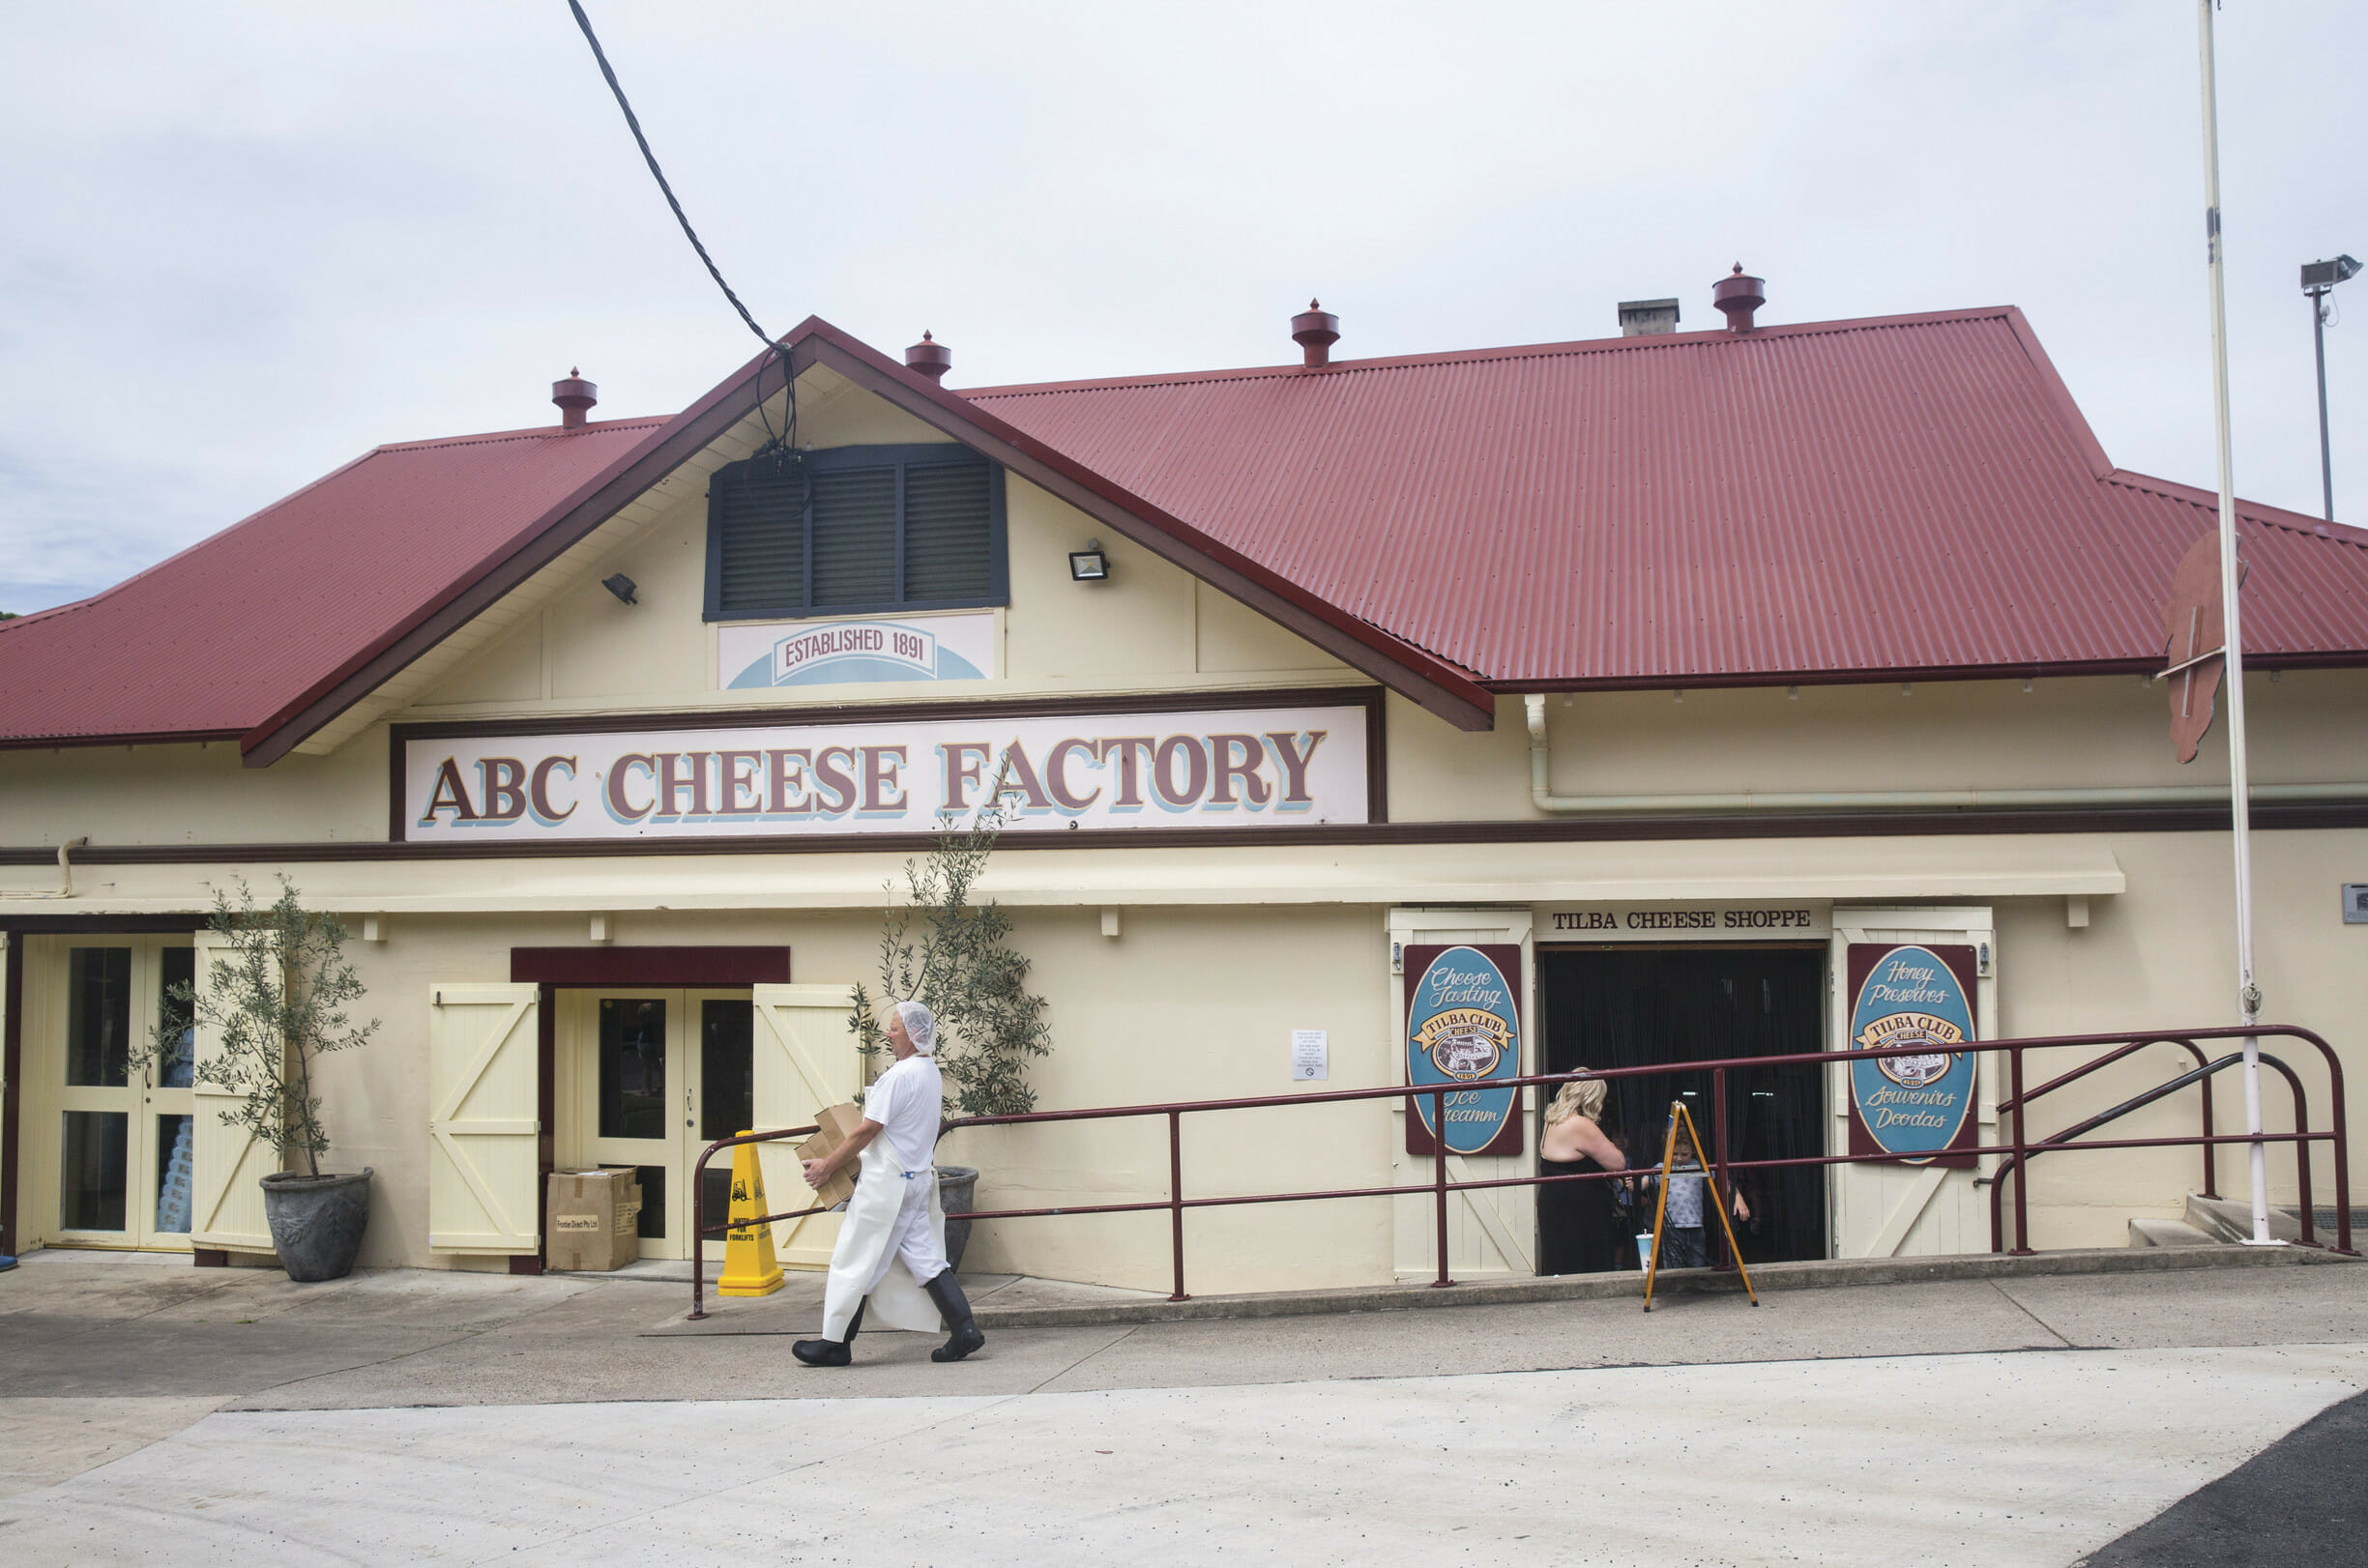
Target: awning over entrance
(1882,869)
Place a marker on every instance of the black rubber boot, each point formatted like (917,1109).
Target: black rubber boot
(830,1352)
(954,1308)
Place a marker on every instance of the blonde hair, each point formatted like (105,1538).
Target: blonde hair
(1582,1097)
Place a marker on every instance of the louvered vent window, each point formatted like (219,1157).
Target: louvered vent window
(855,530)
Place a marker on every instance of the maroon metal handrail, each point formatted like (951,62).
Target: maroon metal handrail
(2019,1149)
(2139,1043)
(2017,1163)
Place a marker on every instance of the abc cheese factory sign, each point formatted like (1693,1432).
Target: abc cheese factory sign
(1215,768)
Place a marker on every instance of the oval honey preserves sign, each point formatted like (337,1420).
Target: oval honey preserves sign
(1463,1027)
(1912,1105)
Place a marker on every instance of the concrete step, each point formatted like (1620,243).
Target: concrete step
(2231,1219)
(2170,1233)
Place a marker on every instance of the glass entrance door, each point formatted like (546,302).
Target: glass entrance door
(660,1071)
(727,1099)
(125,1131)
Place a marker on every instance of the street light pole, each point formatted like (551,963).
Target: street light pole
(2318,343)
(2318,281)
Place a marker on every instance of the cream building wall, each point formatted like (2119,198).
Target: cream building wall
(2308,726)
(2161,955)
(1197,1001)
(1222,952)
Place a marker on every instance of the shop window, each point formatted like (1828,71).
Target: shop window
(632,1068)
(98,1016)
(727,1089)
(91,1192)
(854,531)
(176,1027)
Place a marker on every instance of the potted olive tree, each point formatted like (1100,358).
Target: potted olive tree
(276,997)
(939,947)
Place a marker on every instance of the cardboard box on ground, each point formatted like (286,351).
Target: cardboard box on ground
(837,1124)
(595,1219)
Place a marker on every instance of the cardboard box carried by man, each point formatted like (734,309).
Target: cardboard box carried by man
(837,1124)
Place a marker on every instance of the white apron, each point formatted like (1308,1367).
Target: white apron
(867,1235)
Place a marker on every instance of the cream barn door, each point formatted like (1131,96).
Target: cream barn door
(1490,1233)
(1887,1209)
(804,1060)
(483,1155)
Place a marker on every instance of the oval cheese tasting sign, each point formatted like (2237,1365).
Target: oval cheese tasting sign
(1919,1106)
(1463,1027)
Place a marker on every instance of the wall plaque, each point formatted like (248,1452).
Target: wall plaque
(1919,1107)
(1463,1027)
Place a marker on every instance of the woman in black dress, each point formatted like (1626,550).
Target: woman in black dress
(1578,1214)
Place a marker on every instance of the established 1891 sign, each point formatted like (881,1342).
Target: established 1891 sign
(1202,767)
(1920,1106)
(1463,1027)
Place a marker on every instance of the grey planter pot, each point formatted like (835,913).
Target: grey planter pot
(318,1222)
(956,1189)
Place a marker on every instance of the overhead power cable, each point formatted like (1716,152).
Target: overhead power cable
(632,122)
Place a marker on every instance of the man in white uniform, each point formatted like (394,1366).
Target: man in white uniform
(893,1220)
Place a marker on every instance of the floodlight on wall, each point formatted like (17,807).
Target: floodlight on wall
(623,587)
(1089,565)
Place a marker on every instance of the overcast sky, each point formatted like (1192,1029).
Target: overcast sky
(242,243)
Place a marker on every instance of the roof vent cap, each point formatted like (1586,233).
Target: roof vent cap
(1648,318)
(929,356)
(574,396)
(1315,329)
(1738,295)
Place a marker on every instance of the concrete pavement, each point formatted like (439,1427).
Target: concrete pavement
(1003,1301)
(149,1413)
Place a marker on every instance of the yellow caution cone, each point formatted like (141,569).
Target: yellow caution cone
(749,1266)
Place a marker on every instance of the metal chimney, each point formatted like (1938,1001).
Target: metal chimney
(1648,318)
(929,356)
(1316,330)
(1738,295)
(574,396)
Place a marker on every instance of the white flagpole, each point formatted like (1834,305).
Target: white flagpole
(2240,803)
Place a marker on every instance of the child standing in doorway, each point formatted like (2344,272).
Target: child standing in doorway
(1684,1236)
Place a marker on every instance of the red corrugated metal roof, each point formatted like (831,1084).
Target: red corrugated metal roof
(212,641)
(1844,500)
(1860,498)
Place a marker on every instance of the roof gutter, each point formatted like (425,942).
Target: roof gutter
(1543,797)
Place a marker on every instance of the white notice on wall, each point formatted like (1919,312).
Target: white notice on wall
(1311,1054)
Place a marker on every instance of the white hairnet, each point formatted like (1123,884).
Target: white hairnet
(919,1026)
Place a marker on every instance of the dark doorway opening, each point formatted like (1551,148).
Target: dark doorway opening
(1646,1006)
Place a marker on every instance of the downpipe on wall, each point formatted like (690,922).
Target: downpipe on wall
(65,873)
